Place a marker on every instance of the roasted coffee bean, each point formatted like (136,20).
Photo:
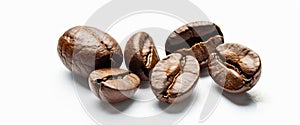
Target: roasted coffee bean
(113,85)
(189,35)
(174,77)
(83,49)
(234,67)
(201,50)
(141,55)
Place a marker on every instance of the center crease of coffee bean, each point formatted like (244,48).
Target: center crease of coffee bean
(146,53)
(201,51)
(148,57)
(171,79)
(112,77)
(236,67)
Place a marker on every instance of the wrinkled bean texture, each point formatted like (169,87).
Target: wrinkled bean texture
(174,77)
(83,49)
(141,55)
(234,67)
(113,85)
(192,35)
(201,50)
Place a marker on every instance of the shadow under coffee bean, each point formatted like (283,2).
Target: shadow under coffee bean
(235,67)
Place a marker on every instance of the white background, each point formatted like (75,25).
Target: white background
(34,89)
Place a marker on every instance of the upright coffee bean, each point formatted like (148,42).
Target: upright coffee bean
(174,77)
(141,55)
(83,49)
(189,35)
(235,67)
(113,85)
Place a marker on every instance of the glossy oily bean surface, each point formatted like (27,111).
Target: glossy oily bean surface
(174,77)
(83,49)
(113,85)
(201,50)
(234,67)
(190,34)
(141,55)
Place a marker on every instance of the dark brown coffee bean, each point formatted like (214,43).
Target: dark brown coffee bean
(235,67)
(201,50)
(83,49)
(189,35)
(113,85)
(141,55)
(174,77)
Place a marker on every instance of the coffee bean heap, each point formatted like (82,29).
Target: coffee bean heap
(95,55)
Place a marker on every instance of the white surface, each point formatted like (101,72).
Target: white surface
(36,87)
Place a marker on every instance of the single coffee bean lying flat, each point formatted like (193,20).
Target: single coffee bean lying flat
(235,67)
(141,55)
(174,77)
(113,85)
(191,34)
(83,49)
(201,50)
